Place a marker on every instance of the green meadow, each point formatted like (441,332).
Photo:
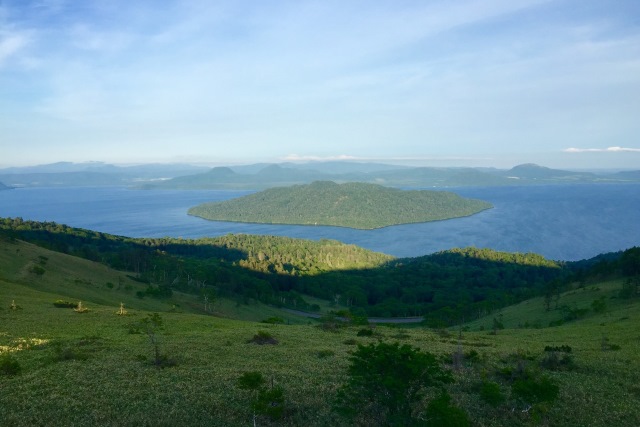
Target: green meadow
(59,366)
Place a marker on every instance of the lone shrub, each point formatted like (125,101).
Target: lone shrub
(533,390)
(267,401)
(64,304)
(323,354)
(557,361)
(274,320)
(262,338)
(152,325)
(387,384)
(441,413)
(9,365)
(365,332)
(491,394)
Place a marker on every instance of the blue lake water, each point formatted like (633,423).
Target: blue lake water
(562,222)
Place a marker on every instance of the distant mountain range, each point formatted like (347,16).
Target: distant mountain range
(67,174)
(265,175)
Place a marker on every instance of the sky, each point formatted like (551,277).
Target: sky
(429,83)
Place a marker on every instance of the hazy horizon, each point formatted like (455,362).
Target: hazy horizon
(492,83)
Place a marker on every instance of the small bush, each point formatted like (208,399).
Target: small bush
(323,354)
(491,394)
(350,341)
(562,348)
(262,338)
(472,356)
(274,320)
(555,362)
(37,270)
(331,323)
(64,351)
(440,412)
(64,304)
(443,333)
(366,332)
(9,365)
(532,391)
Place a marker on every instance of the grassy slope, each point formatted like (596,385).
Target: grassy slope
(112,387)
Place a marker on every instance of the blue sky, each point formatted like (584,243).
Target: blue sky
(434,83)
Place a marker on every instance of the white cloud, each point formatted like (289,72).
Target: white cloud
(10,45)
(602,150)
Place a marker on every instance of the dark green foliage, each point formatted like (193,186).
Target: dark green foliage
(630,288)
(557,361)
(563,348)
(490,393)
(630,262)
(267,401)
(599,305)
(354,205)
(497,325)
(572,313)
(532,390)
(270,402)
(152,326)
(472,356)
(64,304)
(263,337)
(274,320)
(387,383)
(366,332)
(331,323)
(441,413)
(9,365)
(251,381)
(323,354)
(37,270)
(64,351)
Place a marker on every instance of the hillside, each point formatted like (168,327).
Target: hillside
(4,187)
(61,367)
(446,288)
(355,205)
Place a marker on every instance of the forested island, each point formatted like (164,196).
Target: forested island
(354,205)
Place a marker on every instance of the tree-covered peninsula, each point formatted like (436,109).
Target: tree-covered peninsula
(354,205)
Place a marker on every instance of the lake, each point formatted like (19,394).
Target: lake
(561,222)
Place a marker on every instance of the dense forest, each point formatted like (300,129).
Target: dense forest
(355,205)
(446,288)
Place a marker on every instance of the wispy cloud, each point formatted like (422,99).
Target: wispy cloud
(10,45)
(602,150)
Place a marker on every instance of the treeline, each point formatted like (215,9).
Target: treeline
(356,205)
(446,288)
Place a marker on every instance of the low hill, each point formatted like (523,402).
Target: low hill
(530,172)
(4,187)
(355,205)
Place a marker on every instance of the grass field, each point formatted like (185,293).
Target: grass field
(89,369)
